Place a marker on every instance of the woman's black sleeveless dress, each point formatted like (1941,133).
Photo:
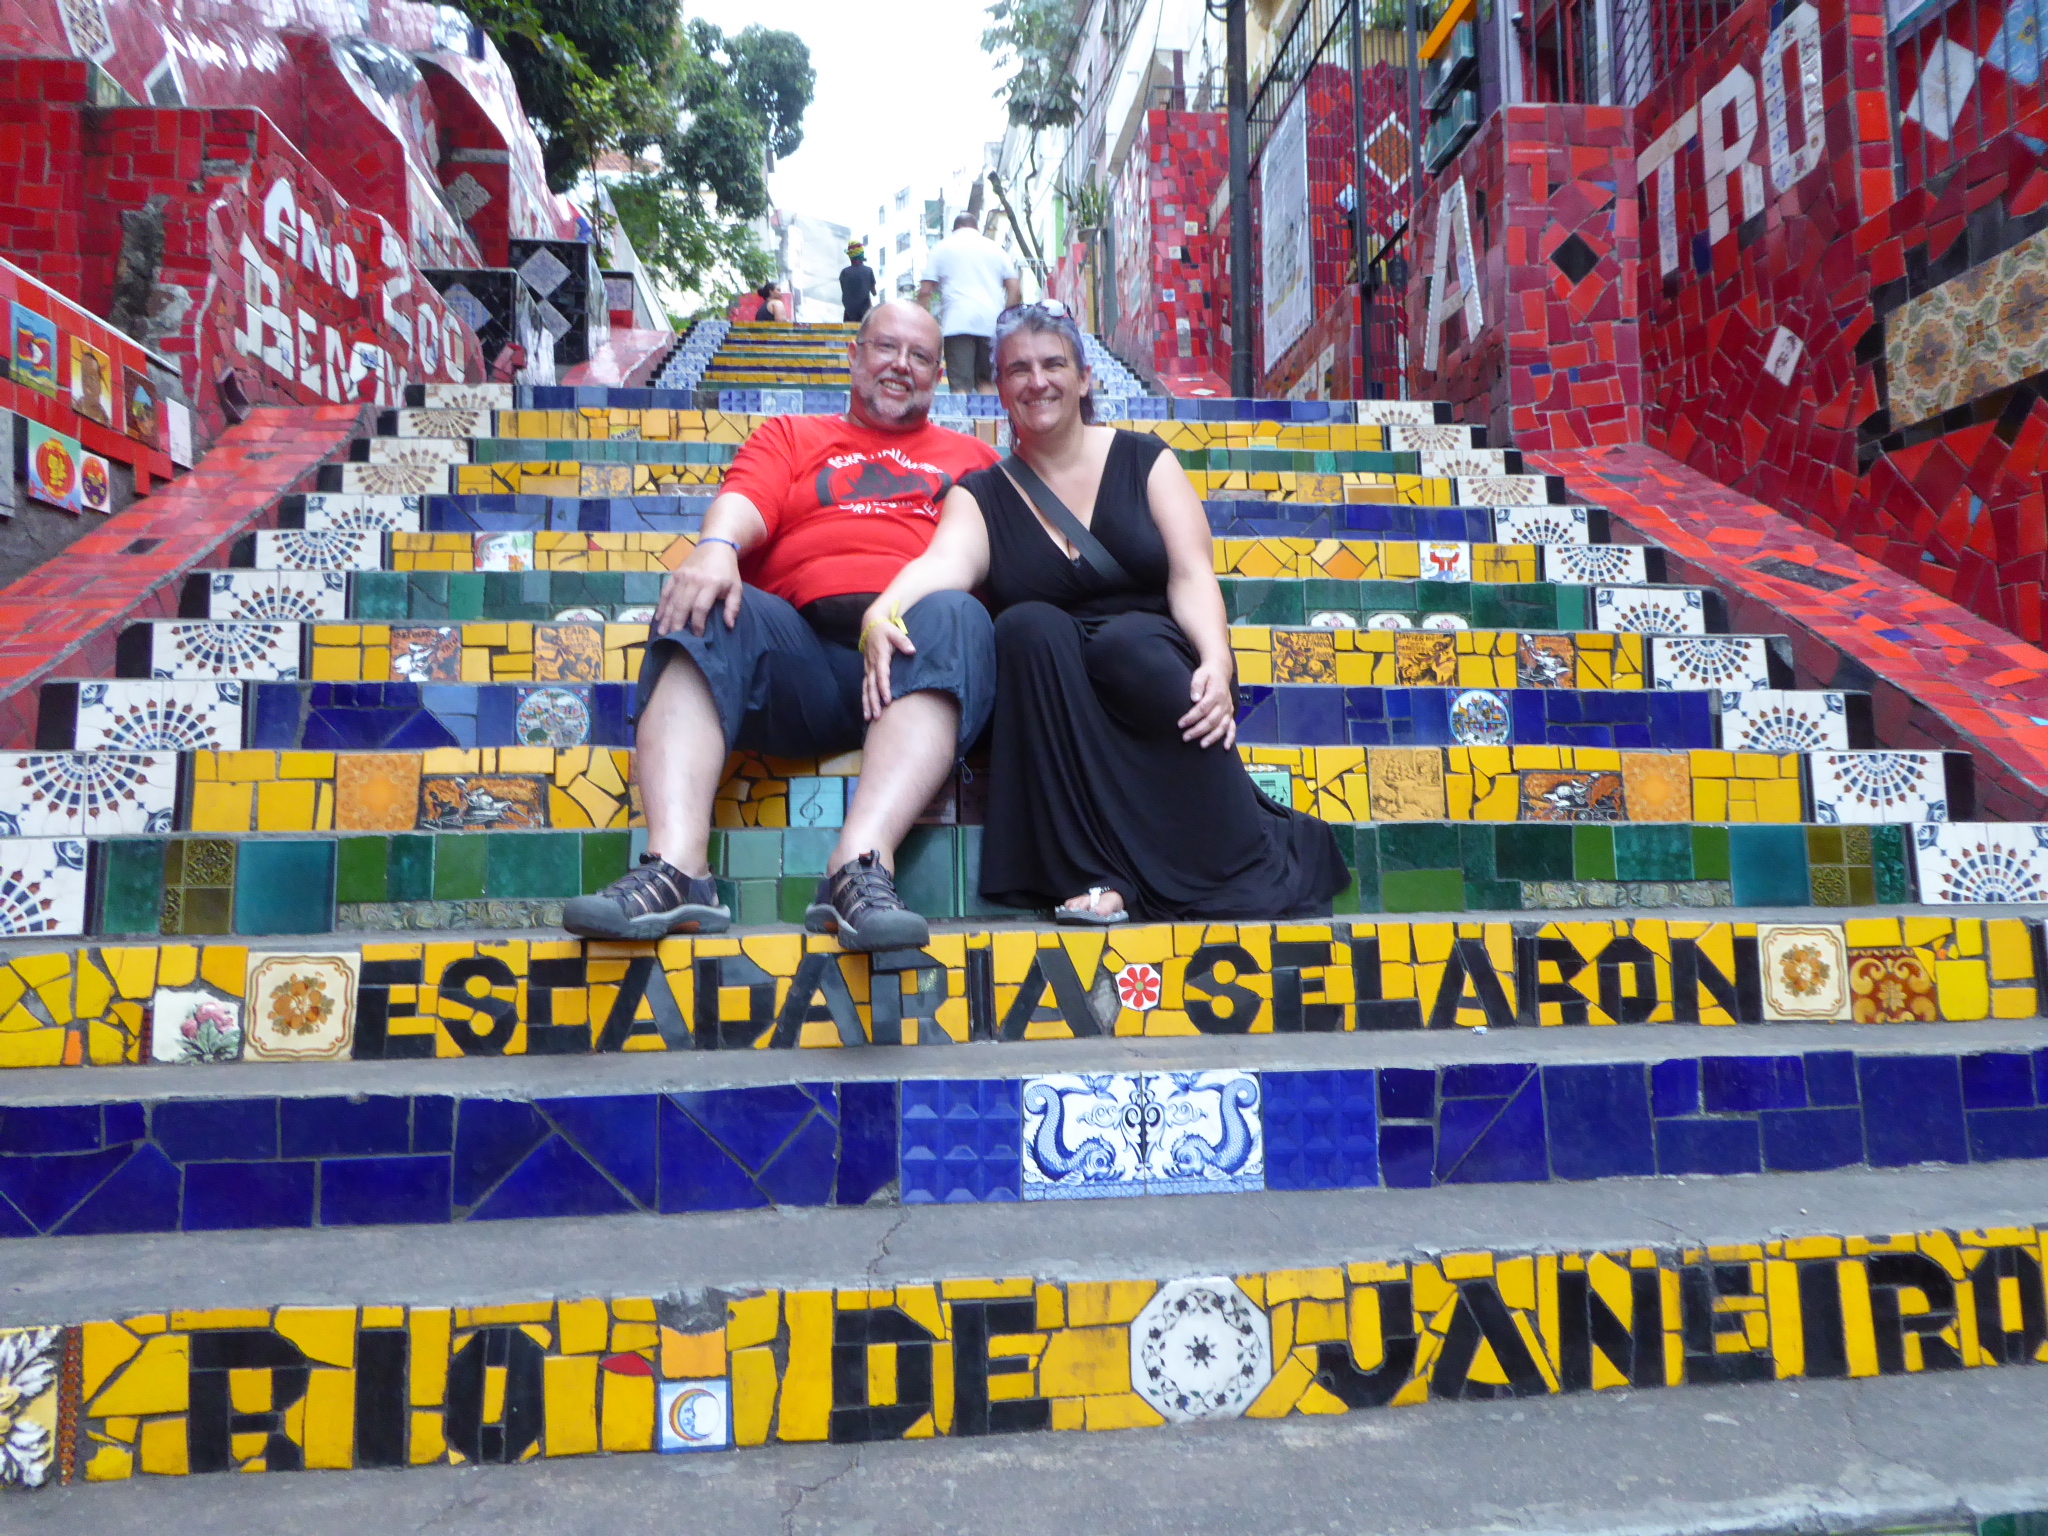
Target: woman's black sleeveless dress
(1090,782)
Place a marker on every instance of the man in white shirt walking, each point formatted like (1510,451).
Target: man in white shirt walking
(975,280)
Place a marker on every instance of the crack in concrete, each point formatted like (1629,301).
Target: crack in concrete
(805,1490)
(882,1247)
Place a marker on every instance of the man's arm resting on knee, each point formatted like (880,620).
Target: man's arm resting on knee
(710,577)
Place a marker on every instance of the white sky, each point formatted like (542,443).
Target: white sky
(905,97)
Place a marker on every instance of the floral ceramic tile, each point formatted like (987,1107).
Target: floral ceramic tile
(192,1026)
(1589,565)
(416,450)
(1201,1349)
(1784,720)
(1879,788)
(1650,610)
(42,886)
(386,514)
(1501,491)
(429,479)
(31,1361)
(1805,971)
(480,397)
(1541,525)
(149,715)
(305,597)
(445,421)
(1738,663)
(319,549)
(301,1007)
(220,649)
(1092,1136)
(87,794)
(1965,862)
(1970,335)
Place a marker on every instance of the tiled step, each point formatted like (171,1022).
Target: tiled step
(452,994)
(186,1158)
(891,1324)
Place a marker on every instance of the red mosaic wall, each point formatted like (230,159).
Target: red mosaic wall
(1472,366)
(1168,308)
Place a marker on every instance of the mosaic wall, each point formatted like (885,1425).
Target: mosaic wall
(1470,358)
(297,1388)
(1168,312)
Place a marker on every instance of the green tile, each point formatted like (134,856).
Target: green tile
(1344,903)
(1512,605)
(1651,852)
(1321,592)
(1265,602)
(466,595)
(793,898)
(1889,866)
(1593,853)
(1530,851)
(925,874)
(1573,607)
(1710,853)
(381,595)
(1365,867)
(132,886)
(359,869)
(409,872)
(1767,866)
(1422,890)
(1389,597)
(1493,896)
(538,865)
(752,854)
(807,850)
(1824,845)
(1410,845)
(1862,886)
(461,862)
(606,856)
(759,902)
(199,886)
(1476,852)
(285,886)
(427,594)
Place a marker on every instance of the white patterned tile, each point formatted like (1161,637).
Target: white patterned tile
(150,715)
(1805,971)
(1500,491)
(1212,1133)
(396,479)
(1103,1135)
(42,886)
(1076,1143)
(1385,413)
(445,421)
(319,549)
(1464,464)
(1967,862)
(1436,437)
(1588,565)
(304,597)
(1875,788)
(211,649)
(1650,610)
(436,452)
(482,397)
(1201,1349)
(386,514)
(1784,720)
(1542,525)
(301,1007)
(1725,662)
(87,794)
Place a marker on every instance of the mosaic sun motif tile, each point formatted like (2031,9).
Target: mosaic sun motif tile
(1435,437)
(431,478)
(416,450)
(319,549)
(382,514)
(138,715)
(1098,1135)
(1200,1349)
(1589,565)
(1737,663)
(1501,491)
(1970,861)
(695,1416)
(1784,720)
(477,397)
(444,421)
(210,649)
(504,551)
(1386,413)
(1877,788)
(1464,463)
(301,1007)
(1805,971)
(1541,525)
(1445,562)
(194,1026)
(552,717)
(31,1361)
(306,597)
(1650,610)
(87,794)
(42,886)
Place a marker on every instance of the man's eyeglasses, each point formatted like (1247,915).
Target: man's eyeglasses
(894,351)
(1052,309)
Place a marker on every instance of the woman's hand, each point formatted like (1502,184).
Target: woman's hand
(1214,716)
(881,640)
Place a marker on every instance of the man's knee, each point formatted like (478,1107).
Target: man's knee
(951,623)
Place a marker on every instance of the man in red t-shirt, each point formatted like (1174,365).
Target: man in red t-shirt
(756,645)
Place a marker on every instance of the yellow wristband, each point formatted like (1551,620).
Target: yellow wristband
(894,616)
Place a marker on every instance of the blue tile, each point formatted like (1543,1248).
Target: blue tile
(1486,1141)
(962,1141)
(233,1197)
(214,1130)
(1831,1079)
(1486,1079)
(141,1196)
(1767,865)
(1708,1146)
(1913,1110)
(1675,1088)
(1258,717)
(805,1171)
(1808,1140)
(492,1137)
(555,1180)
(697,1174)
(867,1141)
(344,1127)
(122,1122)
(1407,1154)
(753,1124)
(618,1134)
(45,1189)
(1599,1121)
(1999,1134)
(1745,1084)
(13,1223)
(33,1128)
(383,1191)
(1407,1093)
(1998,1080)
(1322,1130)
(1310,716)
(433,1123)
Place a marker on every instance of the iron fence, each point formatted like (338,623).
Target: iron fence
(1963,73)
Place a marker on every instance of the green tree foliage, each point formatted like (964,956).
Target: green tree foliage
(1037,37)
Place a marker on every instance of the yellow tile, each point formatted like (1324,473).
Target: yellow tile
(1085,1362)
(329,1435)
(807,1382)
(153,1382)
(571,1404)
(629,1408)
(326,1334)
(286,807)
(163,1450)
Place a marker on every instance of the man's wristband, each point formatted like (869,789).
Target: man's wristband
(718,538)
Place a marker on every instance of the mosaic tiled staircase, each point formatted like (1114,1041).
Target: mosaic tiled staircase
(315,834)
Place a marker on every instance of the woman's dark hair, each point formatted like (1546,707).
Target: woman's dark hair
(1035,318)
(767,289)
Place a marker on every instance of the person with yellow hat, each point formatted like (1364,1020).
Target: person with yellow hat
(856,282)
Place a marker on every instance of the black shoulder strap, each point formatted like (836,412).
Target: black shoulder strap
(1099,559)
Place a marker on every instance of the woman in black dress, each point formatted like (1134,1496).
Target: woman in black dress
(1115,787)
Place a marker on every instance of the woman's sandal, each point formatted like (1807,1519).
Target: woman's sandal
(1090,916)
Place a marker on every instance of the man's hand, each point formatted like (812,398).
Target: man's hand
(709,578)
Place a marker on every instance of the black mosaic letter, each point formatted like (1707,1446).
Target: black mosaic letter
(502,1012)
(1699,1287)
(374,1040)
(1586,1323)
(1693,973)
(853,1420)
(1480,1314)
(1201,1005)
(815,975)
(383,1379)
(1056,968)
(212,1422)
(1891,1273)
(1376,1011)
(1295,1009)
(1337,1372)
(1532,992)
(1470,962)
(519,1424)
(889,1005)
(2016,1346)
(544,978)
(974,1323)
(1628,953)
